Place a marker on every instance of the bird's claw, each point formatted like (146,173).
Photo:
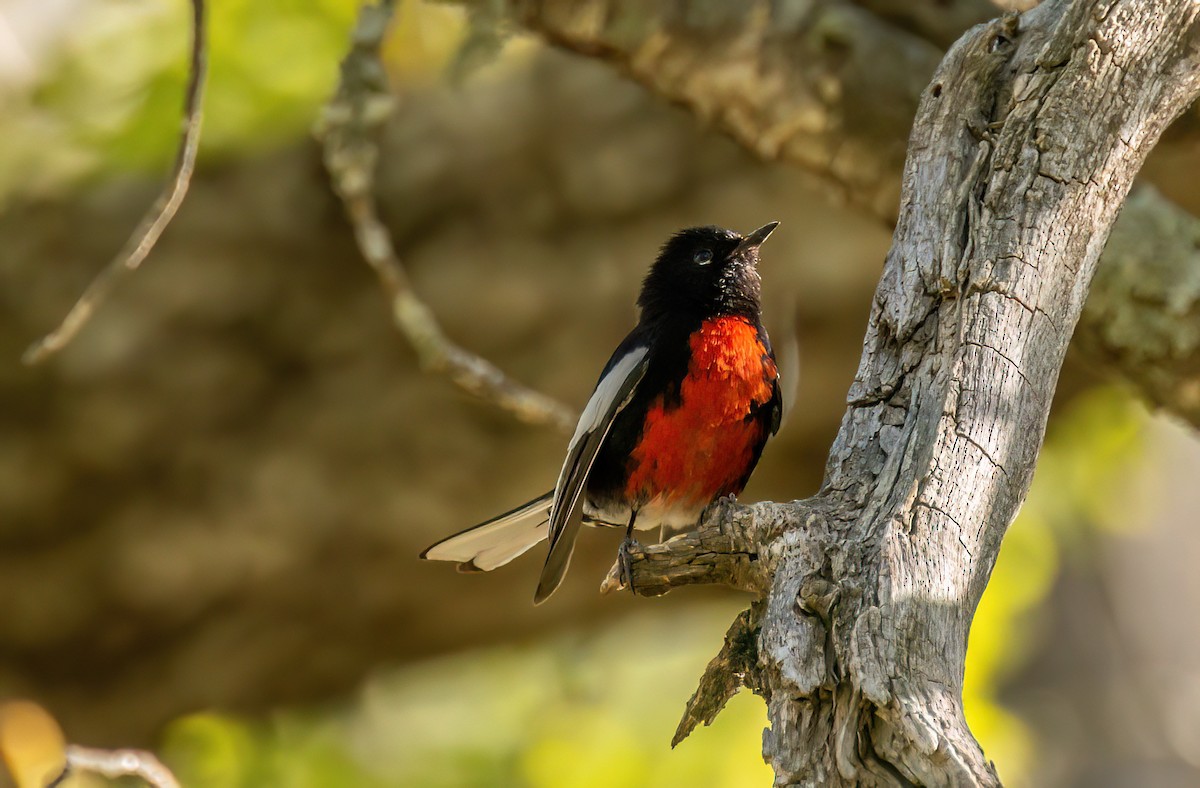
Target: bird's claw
(625,562)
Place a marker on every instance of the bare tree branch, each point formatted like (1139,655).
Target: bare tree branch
(723,549)
(362,104)
(1023,149)
(729,671)
(34,752)
(804,86)
(157,218)
(114,764)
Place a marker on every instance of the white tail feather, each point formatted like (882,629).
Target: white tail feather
(498,541)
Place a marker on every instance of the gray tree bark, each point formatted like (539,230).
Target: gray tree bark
(1024,147)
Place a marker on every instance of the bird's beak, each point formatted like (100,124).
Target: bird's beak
(755,239)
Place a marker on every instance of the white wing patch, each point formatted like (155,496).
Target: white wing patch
(601,405)
(612,393)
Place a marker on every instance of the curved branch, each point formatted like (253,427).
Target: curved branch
(362,104)
(115,764)
(803,86)
(156,219)
(34,752)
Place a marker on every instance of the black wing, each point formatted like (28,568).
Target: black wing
(612,394)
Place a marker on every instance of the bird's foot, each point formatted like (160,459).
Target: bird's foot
(621,574)
(625,562)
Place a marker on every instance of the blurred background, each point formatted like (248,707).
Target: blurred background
(211,503)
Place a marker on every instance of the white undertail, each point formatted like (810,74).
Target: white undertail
(499,540)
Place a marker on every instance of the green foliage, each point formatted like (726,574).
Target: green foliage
(111,98)
(296,751)
(271,67)
(591,709)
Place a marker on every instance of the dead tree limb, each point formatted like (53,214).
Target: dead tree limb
(115,764)
(34,752)
(156,219)
(1024,147)
(363,103)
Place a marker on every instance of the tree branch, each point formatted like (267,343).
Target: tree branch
(1023,149)
(114,764)
(156,219)
(734,667)
(723,549)
(362,104)
(34,752)
(803,85)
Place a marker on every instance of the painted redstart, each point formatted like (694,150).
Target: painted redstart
(678,418)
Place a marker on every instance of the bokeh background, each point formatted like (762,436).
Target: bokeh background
(212,502)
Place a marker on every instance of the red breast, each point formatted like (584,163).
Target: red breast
(702,445)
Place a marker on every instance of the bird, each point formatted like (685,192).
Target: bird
(678,418)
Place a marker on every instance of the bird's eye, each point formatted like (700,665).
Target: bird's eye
(703,257)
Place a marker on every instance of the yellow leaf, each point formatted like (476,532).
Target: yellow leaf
(31,744)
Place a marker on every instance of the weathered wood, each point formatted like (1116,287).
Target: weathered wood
(1024,147)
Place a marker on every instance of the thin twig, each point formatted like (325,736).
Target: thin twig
(33,749)
(119,763)
(156,219)
(362,104)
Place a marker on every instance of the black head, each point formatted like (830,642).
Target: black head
(706,271)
